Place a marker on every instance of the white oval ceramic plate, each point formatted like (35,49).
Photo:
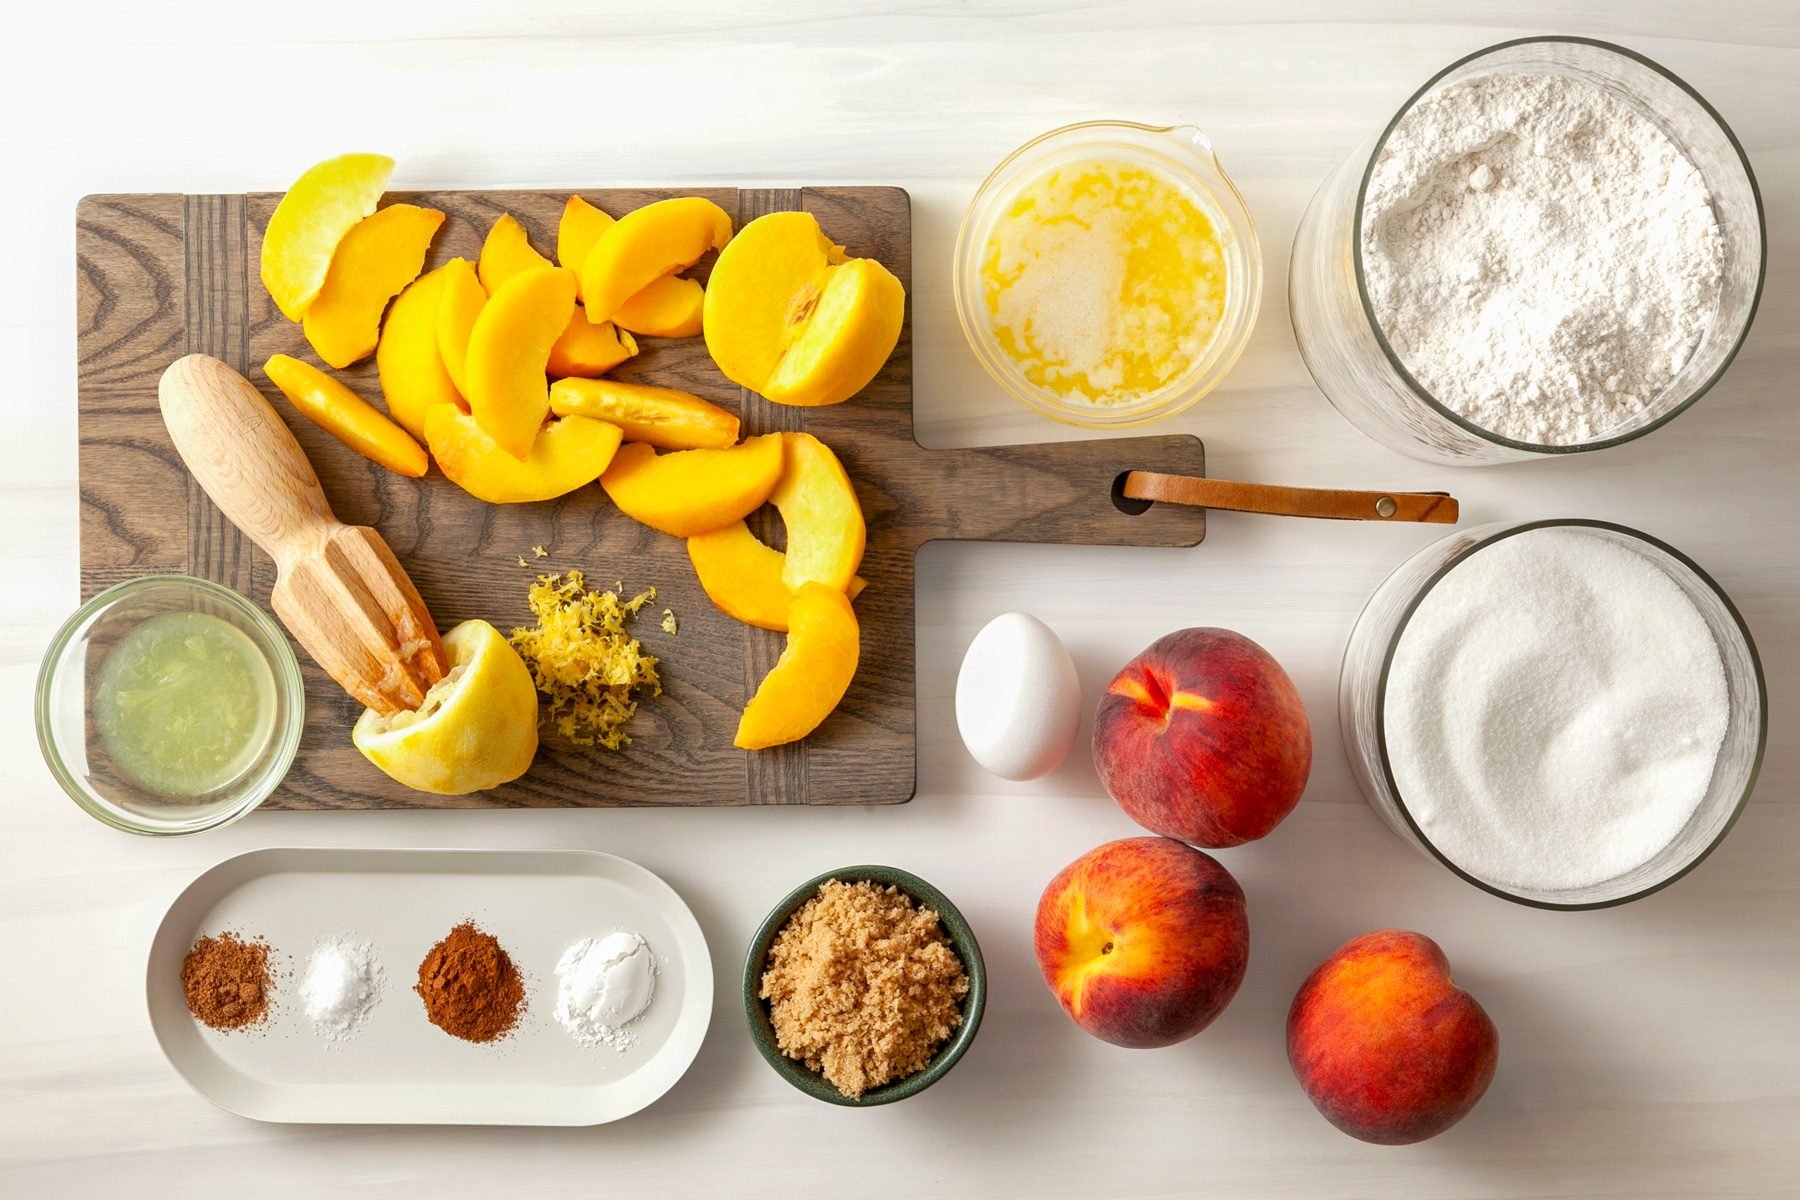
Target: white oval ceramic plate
(401,1069)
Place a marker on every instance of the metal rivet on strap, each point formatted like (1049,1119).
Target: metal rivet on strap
(1386,507)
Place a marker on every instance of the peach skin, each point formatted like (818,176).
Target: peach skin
(1385,1044)
(1203,738)
(1143,941)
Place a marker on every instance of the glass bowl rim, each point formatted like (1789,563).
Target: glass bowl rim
(974,1003)
(1128,418)
(1500,532)
(282,663)
(1423,393)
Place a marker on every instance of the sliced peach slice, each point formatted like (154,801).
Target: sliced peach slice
(310,221)
(812,674)
(742,575)
(414,379)
(378,257)
(826,534)
(692,491)
(669,307)
(508,351)
(580,227)
(788,316)
(585,349)
(661,417)
(506,251)
(644,245)
(345,415)
(567,454)
(459,304)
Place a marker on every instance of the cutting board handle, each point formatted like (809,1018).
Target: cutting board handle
(1060,492)
(243,456)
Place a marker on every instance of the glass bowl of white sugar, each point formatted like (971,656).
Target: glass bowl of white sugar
(1555,246)
(1566,713)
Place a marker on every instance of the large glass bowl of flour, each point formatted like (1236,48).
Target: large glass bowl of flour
(1555,246)
(1566,713)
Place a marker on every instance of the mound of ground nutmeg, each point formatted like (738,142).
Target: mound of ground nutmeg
(862,985)
(226,981)
(470,986)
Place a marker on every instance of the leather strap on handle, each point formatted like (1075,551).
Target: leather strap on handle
(1434,508)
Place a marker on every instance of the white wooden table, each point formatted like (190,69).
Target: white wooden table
(1647,1051)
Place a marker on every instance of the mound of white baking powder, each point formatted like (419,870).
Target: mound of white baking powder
(342,985)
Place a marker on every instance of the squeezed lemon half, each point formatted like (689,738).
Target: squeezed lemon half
(478,726)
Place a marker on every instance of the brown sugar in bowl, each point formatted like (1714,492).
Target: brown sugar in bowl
(955,929)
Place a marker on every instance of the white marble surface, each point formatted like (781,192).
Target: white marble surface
(1647,1051)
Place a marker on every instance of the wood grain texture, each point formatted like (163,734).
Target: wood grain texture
(189,276)
(1648,1052)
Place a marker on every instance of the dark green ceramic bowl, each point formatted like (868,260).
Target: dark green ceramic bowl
(756,1010)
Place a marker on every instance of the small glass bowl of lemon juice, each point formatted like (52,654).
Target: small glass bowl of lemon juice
(1108,274)
(169,705)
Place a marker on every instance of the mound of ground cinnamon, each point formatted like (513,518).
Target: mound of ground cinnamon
(226,981)
(470,986)
(862,985)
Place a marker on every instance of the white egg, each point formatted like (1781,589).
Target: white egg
(1018,699)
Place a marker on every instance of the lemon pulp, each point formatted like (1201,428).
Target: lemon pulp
(476,729)
(1104,281)
(184,703)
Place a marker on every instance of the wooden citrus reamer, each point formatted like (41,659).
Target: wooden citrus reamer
(340,591)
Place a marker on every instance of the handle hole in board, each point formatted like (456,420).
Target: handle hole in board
(1124,503)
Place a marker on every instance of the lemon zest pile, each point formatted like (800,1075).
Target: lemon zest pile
(589,669)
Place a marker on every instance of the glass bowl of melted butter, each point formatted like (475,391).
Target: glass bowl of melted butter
(1108,274)
(169,705)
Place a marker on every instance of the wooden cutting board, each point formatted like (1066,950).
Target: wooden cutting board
(165,275)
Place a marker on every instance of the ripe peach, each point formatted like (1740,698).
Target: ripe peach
(1203,738)
(1388,1048)
(1144,941)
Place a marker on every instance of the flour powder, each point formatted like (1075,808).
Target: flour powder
(1539,254)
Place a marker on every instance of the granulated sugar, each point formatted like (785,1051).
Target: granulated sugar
(1540,255)
(1554,710)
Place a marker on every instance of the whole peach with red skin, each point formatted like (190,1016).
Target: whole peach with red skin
(1143,941)
(1388,1048)
(1203,738)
